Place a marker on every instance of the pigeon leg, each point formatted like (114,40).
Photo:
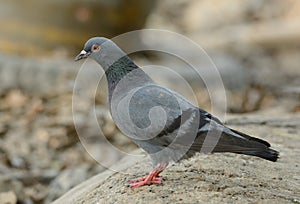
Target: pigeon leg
(152,178)
(153,174)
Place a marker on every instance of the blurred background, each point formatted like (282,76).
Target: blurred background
(255,45)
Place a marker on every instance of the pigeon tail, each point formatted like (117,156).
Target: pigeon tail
(268,154)
(236,142)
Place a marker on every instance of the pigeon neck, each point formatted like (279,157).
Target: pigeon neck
(121,68)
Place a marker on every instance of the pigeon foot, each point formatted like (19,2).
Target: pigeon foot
(152,178)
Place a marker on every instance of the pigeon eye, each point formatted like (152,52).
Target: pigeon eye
(95,48)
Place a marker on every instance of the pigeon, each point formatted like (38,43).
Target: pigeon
(160,121)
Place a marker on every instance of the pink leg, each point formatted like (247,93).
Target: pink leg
(152,178)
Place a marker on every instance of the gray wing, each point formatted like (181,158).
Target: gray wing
(149,113)
(169,127)
(211,136)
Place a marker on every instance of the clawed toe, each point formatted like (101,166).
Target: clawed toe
(152,178)
(155,179)
(137,183)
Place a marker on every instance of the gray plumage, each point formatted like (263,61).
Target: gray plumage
(166,125)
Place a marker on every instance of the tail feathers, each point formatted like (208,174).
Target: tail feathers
(235,142)
(268,154)
(251,138)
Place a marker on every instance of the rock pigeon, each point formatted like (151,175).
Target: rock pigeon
(162,122)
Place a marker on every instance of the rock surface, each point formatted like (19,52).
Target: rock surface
(8,198)
(41,156)
(217,178)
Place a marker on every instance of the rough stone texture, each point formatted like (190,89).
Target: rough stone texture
(8,198)
(41,156)
(217,178)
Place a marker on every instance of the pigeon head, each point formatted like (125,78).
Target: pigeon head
(102,50)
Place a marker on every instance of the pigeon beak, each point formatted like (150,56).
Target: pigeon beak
(82,55)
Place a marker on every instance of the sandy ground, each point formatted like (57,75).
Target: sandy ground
(215,178)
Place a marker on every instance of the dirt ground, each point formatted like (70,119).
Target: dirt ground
(216,178)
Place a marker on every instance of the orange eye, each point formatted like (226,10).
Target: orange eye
(95,48)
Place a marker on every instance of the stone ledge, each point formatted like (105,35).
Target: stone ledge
(94,182)
(212,178)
